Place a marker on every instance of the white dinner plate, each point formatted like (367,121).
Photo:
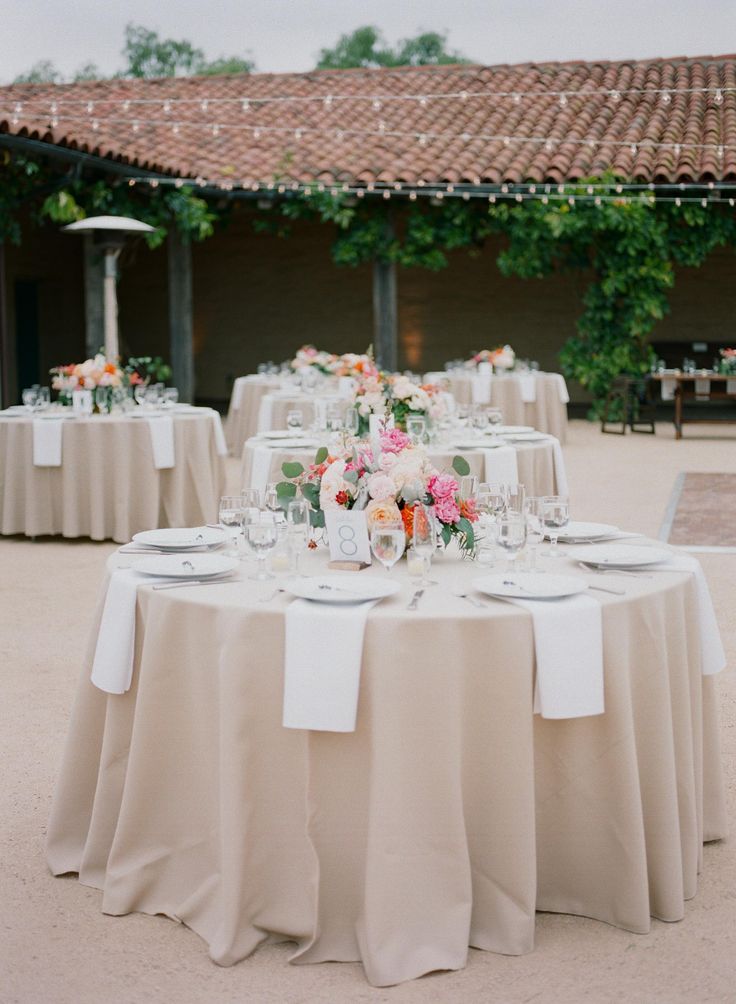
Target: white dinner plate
(192,566)
(290,444)
(524,437)
(577,531)
(621,555)
(53,415)
(344,587)
(530,585)
(280,434)
(481,444)
(181,538)
(142,413)
(508,430)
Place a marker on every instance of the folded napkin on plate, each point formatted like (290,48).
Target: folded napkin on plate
(558,462)
(324,651)
(500,465)
(162,441)
(712,655)
(47,442)
(480,388)
(112,668)
(528,386)
(568,643)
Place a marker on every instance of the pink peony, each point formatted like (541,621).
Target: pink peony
(394,441)
(442,486)
(446,509)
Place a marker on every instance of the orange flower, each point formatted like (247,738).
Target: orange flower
(407,517)
(110,368)
(467,509)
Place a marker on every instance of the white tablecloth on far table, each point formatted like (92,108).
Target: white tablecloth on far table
(536,399)
(108,485)
(446,819)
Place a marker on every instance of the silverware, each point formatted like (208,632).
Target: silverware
(412,605)
(602,589)
(471,599)
(613,571)
(195,582)
(339,589)
(508,582)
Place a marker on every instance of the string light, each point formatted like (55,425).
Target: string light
(245,105)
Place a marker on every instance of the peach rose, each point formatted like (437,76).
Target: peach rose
(382,511)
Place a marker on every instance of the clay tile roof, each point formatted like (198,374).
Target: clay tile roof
(477,124)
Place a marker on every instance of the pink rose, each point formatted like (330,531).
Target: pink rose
(381,487)
(442,486)
(394,441)
(446,509)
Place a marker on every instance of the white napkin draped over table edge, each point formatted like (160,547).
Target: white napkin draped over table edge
(528,387)
(558,461)
(162,441)
(568,645)
(112,666)
(47,435)
(480,388)
(260,468)
(265,413)
(500,465)
(322,662)
(220,443)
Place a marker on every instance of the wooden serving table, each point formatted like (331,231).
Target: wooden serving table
(686,390)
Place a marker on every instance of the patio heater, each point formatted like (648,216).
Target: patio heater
(109,234)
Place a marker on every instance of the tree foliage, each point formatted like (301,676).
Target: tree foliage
(148,55)
(367,47)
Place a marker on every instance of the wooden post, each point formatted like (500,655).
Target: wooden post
(385,319)
(94,324)
(4,336)
(180,314)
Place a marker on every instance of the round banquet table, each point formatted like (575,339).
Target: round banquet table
(242,415)
(107,486)
(445,820)
(540,465)
(547,411)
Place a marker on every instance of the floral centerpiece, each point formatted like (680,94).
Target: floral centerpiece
(385,486)
(351,365)
(502,357)
(393,394)
(102,372)
(728,361)
(308,356)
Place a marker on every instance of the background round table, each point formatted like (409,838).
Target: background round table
(540,465)
(445,820)
(107,486)
(242,415)
(547,412)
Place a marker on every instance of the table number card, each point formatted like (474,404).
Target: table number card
(347,530)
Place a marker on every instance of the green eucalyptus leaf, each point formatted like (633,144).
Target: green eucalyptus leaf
(285,489)
(320,456)
(460,466)
(292,469)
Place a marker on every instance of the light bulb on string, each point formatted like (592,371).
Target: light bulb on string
(560,189)
(153,183)
(307,190)
(545,200)
(204,105)
(381,126)
(704,203)
(370,186)
(666,97)
(549,146)
(719,152)
(517,99)
(135,126)
(333,193)
(215,129)
(597,200)
(633,149)
(571,201)
(422,139)
(421,183)
(179,183)
(678,201)
(491,198)
(412,196)
(718,98)
(504,189)
(126,106)
(175,128)
(54,122)
(387,194)
(439,196)
(90,107)
(615,95)
(519,197)
(506,141)
(463,95)
(245,105)
(320,187)
(619,189)
(397,186)
(95,125)
(327,102)
(256,134)
(711,185)
(131,182)
(360,193)
(281,189)
(532,189)
(423,102)
(450,189)
(465,137)
(54,108)
(376,105)
(589,189)
(466,196)
(563,100)
(732,203)
(167,107)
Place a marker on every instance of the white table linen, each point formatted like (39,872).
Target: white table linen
(47,435)
(501,466)
(713,656)
(112,666)
(162,442)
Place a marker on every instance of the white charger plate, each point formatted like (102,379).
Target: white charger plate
(142,413)
(477,445)
(525,437)
(578,531)
(508,430)
(345,587)
(621,555)
(280,434)
(530,585)
(181,538)
(176,566)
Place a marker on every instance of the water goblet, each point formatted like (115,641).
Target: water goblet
(515,495)
(512,536)
(102,400)
(495,419)
(43,399)
(416,426)
(388,540)
(352,421)
(29,397)
(230,515)
(555,517)
(139,393)
(468,486)
(534,528)
(297,528)
(171,396)
(261,535)
(424,537)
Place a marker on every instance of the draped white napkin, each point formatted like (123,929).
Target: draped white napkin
(702,388)
(731,386)
(260,468)
(561,387)
(568,644)
(265,413)
(237,395)
(712,654)
(528,386)
(47,435)
(112,668)
(500,465)
(668,390)
(480,388)
(162,441)
(558,461)
(323,655)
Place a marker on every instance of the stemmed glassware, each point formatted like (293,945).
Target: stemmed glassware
(424,538)
(534,528)
(139,393)
(30,396)
(512,536)
(297,530)
(416,427)
(352,421)
(295,421)
(102,400)
(515,495)
(261,535)
(230,516)
(555,517)
(388,541)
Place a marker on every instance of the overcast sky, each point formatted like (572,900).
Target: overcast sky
(286,34)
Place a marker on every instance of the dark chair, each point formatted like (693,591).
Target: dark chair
(630,401)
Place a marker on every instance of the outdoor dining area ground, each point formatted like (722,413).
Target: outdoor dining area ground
(49,588)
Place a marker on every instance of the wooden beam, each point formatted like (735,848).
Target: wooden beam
(181,341)
(94,270)
(385,318)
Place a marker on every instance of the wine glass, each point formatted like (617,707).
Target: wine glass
(468,486)
(388,540)
(352,421)
(512,536)
(102,400)
(171,396)
(231,517)
(515,495)
(495,419)
(555,517)
(271,497)
(424,537)
(479,419)
(295,421)
(29,397)
(297,528)
(416,426)
(251,498)
(534,528)
(43,399)
(139,393)
(261,536)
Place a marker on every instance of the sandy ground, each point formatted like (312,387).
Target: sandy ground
(55,944)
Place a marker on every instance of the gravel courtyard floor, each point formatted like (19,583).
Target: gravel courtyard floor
(57,947)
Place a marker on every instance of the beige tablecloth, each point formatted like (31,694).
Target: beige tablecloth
(107,486)
(548,412)
(535,462)
(242,415)
(445,820)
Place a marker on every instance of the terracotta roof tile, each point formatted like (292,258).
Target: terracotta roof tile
(364,125)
